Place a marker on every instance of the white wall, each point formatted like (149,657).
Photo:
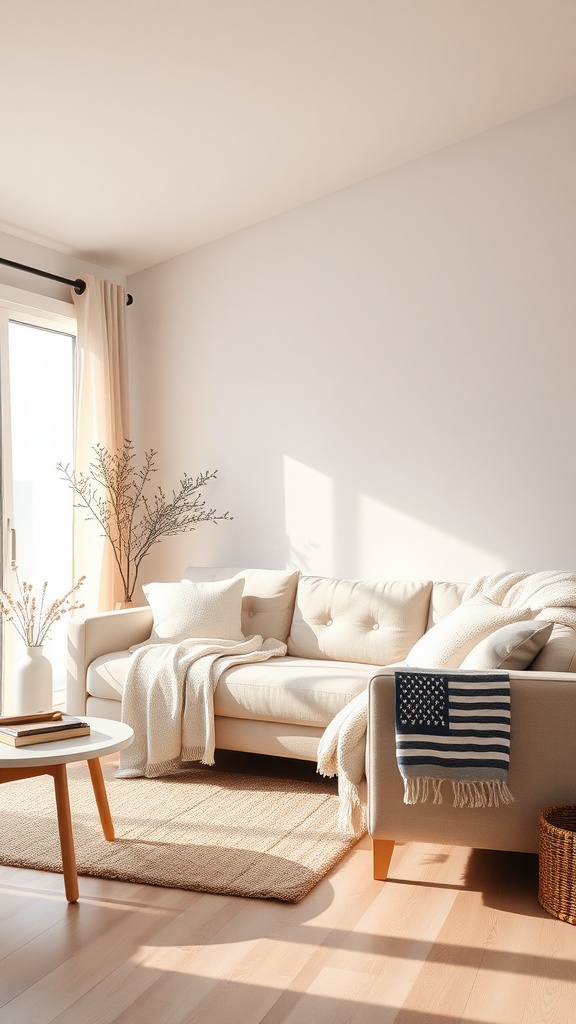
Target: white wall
(385,377)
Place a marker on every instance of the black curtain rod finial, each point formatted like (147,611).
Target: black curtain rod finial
(80,288)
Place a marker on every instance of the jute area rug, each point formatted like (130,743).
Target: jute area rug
(208,830)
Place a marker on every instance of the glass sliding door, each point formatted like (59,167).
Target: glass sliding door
(6,521)
(38,417)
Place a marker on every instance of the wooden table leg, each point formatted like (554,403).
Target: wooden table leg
(58,773)
(101,798)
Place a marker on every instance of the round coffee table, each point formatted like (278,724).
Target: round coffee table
(106,737)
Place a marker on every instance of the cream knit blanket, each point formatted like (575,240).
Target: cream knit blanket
(342,752)
(550,595)
(168,700)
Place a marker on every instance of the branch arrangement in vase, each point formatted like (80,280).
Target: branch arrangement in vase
(113,492)
(33,617)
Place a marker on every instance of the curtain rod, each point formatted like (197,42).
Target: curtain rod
(78,285)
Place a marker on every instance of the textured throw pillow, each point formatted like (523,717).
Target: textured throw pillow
(447,643)
(267,601)
(510,647)
(184,610)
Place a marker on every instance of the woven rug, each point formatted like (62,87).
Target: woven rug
(209,830)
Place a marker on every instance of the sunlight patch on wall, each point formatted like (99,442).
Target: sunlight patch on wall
(392,544)
(309,517)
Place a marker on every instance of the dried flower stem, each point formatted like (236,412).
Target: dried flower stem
(31,621)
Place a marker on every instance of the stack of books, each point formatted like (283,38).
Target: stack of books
(43,727)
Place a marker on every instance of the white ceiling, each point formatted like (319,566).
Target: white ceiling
(135,130)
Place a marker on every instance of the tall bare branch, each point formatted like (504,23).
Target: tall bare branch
(114,493)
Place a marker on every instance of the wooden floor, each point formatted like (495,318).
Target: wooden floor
(453,935)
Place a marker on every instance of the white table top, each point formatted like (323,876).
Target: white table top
(105,737)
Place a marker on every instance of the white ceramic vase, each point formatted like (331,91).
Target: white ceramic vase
(32,683)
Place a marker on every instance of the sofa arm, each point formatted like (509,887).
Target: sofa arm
(93,635)
(542,772)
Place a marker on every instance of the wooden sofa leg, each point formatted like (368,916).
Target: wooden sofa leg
(382,850)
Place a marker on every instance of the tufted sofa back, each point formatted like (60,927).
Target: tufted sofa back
(371,622)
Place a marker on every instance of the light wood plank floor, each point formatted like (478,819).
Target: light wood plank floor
(453,935)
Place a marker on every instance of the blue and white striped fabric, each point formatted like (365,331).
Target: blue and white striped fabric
(455,727)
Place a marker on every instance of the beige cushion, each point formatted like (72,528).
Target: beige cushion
(372,622)
(447,643)
(559,654)
(186,609)
(290,690)
(444,599)
(510,647)
(267,600)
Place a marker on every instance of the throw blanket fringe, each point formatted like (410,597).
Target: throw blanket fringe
(481,794)
(466,794)
(169,701)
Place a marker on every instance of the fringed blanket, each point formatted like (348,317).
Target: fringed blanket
(169,701)
(453,727)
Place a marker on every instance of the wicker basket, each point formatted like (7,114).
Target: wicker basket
(557,862)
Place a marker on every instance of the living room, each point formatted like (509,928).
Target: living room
(358,308)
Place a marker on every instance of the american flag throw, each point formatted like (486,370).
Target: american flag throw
(455,727)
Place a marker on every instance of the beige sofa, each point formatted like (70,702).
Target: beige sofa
(340,636)
(336,631)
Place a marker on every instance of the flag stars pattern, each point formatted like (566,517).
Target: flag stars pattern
(422,702)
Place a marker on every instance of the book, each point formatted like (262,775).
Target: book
(35,730)
(39,716)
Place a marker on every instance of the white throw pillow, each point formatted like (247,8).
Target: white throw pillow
(185,610)
(511,647)
(267,601)
(447,643)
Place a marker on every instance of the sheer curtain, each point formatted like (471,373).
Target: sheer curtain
(101,417)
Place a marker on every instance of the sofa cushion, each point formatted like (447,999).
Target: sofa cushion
(559,654)
(372,622)
(186,609)
(297,691)
(447,643)
(445,597)
(267,600)
(294,691)
(510,647)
